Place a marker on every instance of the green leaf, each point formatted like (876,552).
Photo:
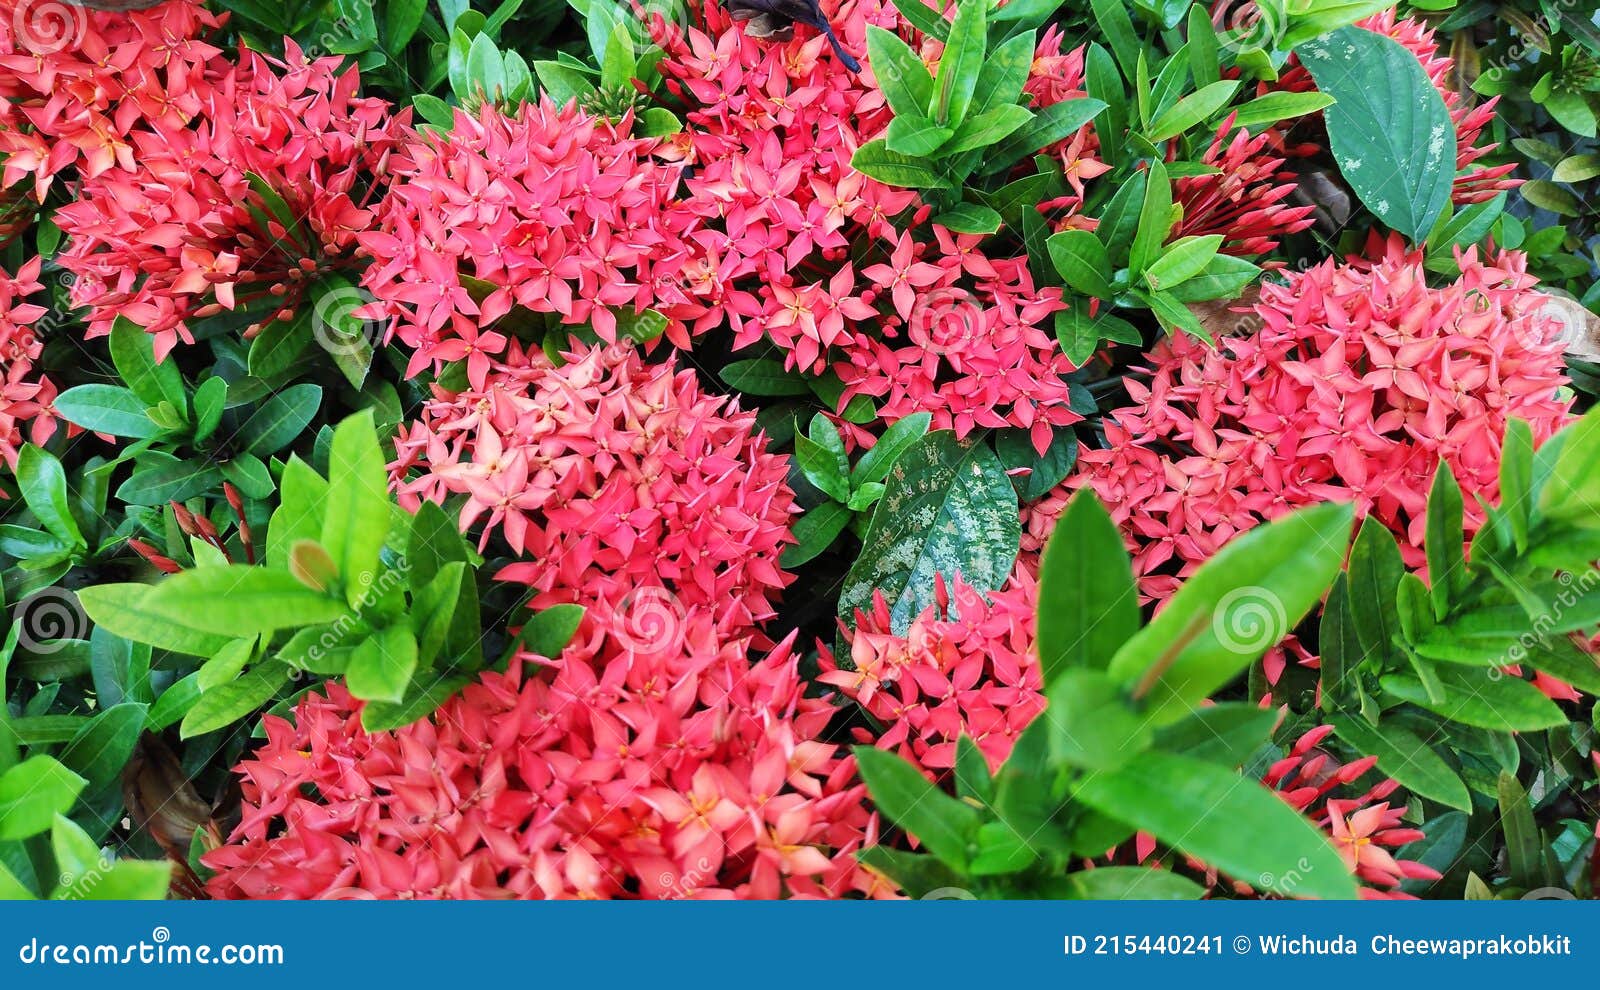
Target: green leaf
(419,703)
(107,409)
(1198,807)
(875,160)
(918,874)
(1516,478)
(1389,128)
(1274,107)
(1524,844)
(970,218)
(1570,490)
(1223,277)
(128,880)
(1044,471)
(900,73)
(356,519)
(764,377)
(301,500)
(228,703)
(916,136)
(280,419)
(382,665)
(949,508)
(1227,734)
(1483,697)
(1375,572)
(1080,334)
(945,826)
(1155,220)
(981,130)
(1091,723)
(1081,259)
(924,18)
(1174,315)
(280,345)
(99,750)
(1005,70)
(1117,26)
(973,779)
(239,600)
(1088,603)
(901,436)
(548,631)
(121,609)
(1405,758)
(43,484)
(1132,883)
(337,329)
(210,400)
(133,354)
(1241,602)
(822,458)
(33,793)
(1182,260)
(961,62)
(815,532)
(1056,122)
(1447,565)
(1193,109)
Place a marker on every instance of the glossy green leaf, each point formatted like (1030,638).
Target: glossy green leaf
(945,826)
(1404,757)
(1088,603)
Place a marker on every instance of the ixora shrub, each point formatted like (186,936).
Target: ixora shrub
(984,448)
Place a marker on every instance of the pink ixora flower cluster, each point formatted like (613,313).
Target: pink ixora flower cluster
(187,232)
(967,666)
(698,779)
(25,394)
(1244,200)
(1359,381)
(79,87)
(549,211)
(607,475)
(797,248)
(1363,828)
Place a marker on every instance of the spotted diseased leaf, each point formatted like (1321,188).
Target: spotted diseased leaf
(1389,128)
(949,509)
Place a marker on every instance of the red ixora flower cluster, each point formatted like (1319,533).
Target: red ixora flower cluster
(697,778)
(552,211)
(967,666)
(1359,381)
(607,475)
(1363,828)
(188,234)
(79,87)
(796,247)
(25,394)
